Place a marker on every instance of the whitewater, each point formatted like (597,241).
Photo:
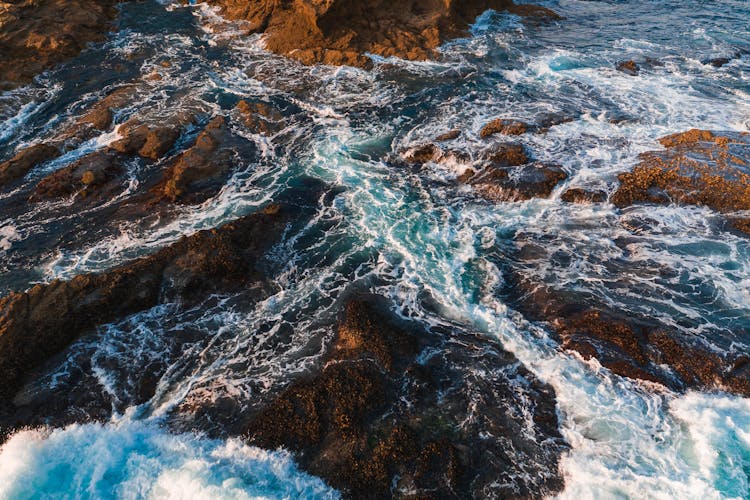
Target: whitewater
(405,234)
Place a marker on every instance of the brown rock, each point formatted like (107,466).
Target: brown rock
(37,34)
(99,172)
(341,32)
(448,136)
(632,346)
(378,421)
(26,159)
(422,154)
(697,168)
(158,141)
(196,172)
(260,118)
(580,195)
(628,67)
(509,155)
(534,180)
(100,116)
(36,324)
(505,126)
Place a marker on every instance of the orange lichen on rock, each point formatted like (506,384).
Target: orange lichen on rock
(698,168)
(343,32)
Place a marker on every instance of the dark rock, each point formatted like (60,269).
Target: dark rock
(629,67)
(449,136)
(341,32)
(26,159)
(37,324)
(422,154)
(199,171)
(580,195)
(97,173)
(509,155)
(633,346)
(506,127)
(396,411)
(698,167)
(534,180)
(260,118)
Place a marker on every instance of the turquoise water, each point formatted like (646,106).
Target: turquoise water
(435,250)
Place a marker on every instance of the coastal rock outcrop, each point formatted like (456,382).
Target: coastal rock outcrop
(37,34)
(631,345)
(397,411)
(38,323)
(697,167)
(343,32)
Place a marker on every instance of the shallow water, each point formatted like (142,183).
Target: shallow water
(432,248)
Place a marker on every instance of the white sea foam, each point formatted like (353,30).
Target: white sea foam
(131,459)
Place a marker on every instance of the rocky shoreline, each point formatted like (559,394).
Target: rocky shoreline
(389,406)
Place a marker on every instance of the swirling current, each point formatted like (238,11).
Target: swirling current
(439,254)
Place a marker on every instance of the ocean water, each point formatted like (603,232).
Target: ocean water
(408,235)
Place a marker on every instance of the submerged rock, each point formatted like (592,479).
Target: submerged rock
(198,171)
(698,167)
(260,118)
(581,195)
(36,324)
(397,411)
(519,183)
(505,126)
(26,159)
(37,34)
(631,345)
(629,67)
(341,32)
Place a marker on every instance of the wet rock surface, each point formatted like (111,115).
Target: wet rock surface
(341,32)
(396,411)
(697,167)
(36,324)
(518,183)
(632,345)
(26,159)
(37,34)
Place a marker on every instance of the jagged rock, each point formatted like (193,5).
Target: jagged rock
(448,136)
(505,126)
(341,32)
(198,170)
(533,180)
(99,172)
(36,324)
(631,345)
(698,167)
(100,115)
(581,195)
(629,67)
(260,118)
(397,411)
(25,160)
(37,34)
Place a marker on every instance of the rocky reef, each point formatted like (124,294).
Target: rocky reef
(343,32)
(396,411)
(697,167)
(37,34)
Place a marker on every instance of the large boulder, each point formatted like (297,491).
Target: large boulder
(341,32)
(37,34)
(398,411)
(697,167)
